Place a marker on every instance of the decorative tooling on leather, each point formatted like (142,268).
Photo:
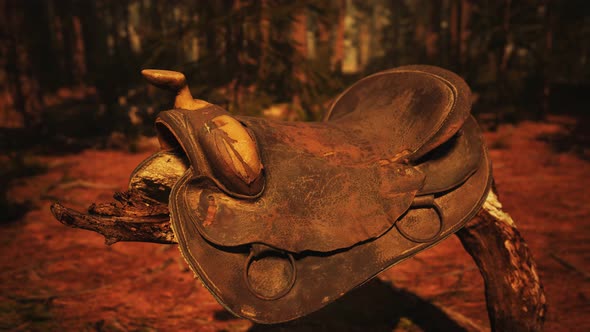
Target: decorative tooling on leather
(322,209)
(232,149)
(278,219)
(205,145)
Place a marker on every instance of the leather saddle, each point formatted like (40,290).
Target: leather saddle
(278,219)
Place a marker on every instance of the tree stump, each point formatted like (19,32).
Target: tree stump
(514,294)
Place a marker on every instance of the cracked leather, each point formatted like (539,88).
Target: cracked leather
(397,165)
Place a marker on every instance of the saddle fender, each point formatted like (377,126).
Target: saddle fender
(278,219)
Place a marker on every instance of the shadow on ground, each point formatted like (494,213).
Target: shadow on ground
(376,306)
(574,138)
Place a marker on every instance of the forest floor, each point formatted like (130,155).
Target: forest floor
(55,278)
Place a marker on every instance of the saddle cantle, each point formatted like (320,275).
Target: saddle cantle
(278,219)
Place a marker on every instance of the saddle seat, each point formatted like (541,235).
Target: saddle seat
(396,166)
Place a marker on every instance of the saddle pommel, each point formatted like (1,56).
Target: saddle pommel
(232,153)
(217,145)
(176,82)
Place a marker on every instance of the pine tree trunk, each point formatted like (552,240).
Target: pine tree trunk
(20,72)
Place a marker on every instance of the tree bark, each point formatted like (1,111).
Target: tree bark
(514,293)
(134,217)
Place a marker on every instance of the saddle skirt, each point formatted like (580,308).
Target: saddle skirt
(397,165)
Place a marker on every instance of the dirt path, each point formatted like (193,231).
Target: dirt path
(57,278)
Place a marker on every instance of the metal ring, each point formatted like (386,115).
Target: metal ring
(284,292)
(438,211)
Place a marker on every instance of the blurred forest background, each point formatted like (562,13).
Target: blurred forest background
(70,69)
(519,56)
(76,117)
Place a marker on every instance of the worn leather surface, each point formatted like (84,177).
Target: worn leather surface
(397,165)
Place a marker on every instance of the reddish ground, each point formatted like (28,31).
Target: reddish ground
(57,278)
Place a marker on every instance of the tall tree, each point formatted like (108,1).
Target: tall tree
(22,77)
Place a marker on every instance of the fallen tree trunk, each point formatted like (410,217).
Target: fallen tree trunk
(514,294)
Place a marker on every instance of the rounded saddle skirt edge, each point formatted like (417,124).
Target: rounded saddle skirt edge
(320,279)
(193,248)
(452,163)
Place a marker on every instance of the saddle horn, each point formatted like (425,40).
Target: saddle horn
(176,82)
